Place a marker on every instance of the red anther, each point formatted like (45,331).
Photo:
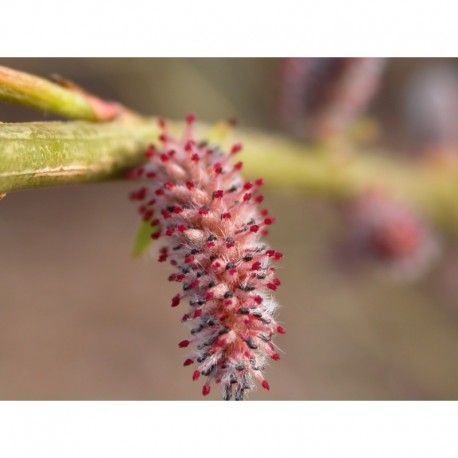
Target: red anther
(177,210)
(168,185)
(170,231)
(166,214)
(141,193)
(195,375)
(162,258)
(254,228)
(264,212)
(256,266)
(173,262)
(203,211)
(159,192)
(281,330)
(188,146)
(276,282)
(269,221)
(236,148)
(259,182)
(151,175)
(182,228)
(184,343)
(171,153)
(275,356)
(247,186)
(230,245)
(180,277)
(278,256)
(270,253)
(216,266)
(218,168)
(271,286)
(258,299)
(218,194)
(147,216)
(149,154)
(188,362)
(259,199)
(195,284)
(232,272)
(176,300)
(226,215)
(162,123)
(156,235)
(210,244)
(189,259)
(185,317)
(206,390)
(164,157)
(238,166)
(227,302)
(154,223)
(163,138)
(197,313)
(195,158)
(247,197)
(209,295)
(172,277)
(191,118)
(189,185)
(265,385)
(151,202)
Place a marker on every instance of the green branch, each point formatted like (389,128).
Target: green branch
(52,154)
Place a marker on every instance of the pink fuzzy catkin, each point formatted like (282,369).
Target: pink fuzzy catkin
(209,216)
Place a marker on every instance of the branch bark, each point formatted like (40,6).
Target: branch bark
(52,154)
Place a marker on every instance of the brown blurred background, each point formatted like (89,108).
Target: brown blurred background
(81,319)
